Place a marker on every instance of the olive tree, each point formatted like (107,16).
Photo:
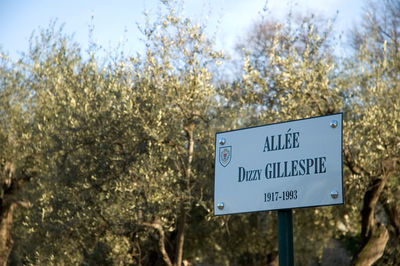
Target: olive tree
(123,147)
(373,155)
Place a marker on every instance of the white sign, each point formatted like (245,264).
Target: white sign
(279,166)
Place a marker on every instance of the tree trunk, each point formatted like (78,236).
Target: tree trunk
(189,128)
(368,212)
(8,202)
(374,248)
(6,241)
(180,236)
(374,235)
(7,206)
(161,240)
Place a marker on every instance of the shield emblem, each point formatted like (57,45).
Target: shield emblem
(225,155)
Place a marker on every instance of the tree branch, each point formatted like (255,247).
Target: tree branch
(371,197)
(161,241)
(349,162)
(374,248)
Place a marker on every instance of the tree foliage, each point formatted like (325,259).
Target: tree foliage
(373,155)
(123,149)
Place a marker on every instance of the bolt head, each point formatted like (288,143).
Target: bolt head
(222,141)
(334,194)
(220,205)
(334,123)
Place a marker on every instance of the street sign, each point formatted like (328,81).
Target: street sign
(286,165)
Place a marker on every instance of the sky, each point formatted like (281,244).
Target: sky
(116,21)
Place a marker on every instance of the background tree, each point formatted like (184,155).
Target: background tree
(373,155)
(176,107)
(72,139)
(124,148)
(16,162)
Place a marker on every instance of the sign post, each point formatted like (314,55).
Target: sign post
(285,237)
(281,166)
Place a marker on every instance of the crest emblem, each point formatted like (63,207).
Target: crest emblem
(225,155)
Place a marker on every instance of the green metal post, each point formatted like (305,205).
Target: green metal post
(285,237)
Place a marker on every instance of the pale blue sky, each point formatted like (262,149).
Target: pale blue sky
(117,20)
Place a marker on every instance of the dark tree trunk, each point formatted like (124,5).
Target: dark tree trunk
(10,186)
(374,235)
(7,206)
(180,237)
(6,241)
(368,212)
(161,240)
(374,247)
